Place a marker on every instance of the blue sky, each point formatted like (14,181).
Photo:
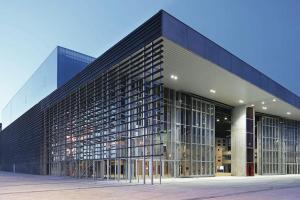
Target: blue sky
(266,34)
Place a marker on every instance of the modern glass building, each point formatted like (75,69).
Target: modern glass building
(59,67)
(163,102)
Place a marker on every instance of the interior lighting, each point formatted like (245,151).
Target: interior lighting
(241,101)
(174,77)
(212,91)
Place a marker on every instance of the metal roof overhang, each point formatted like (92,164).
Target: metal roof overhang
(198,75)
(202,65)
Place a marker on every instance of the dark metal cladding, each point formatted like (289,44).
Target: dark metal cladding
(21,143)
(185,36)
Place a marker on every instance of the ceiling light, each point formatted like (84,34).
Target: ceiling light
(212,91)
(288,113)
(252,105)
(274,100)
(241,101)
(218,120)
(263,103)
(174,77)
(264,108)
(225,118)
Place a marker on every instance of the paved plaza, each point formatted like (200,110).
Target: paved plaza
(30,187)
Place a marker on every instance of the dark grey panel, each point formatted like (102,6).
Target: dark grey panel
(21,143)
(185,36)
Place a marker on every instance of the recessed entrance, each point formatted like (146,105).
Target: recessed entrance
(223,141)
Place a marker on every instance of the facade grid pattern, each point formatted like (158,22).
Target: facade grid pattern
(189,139)
(111,126)
(279,142)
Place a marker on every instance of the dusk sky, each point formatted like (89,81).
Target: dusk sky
(265,34)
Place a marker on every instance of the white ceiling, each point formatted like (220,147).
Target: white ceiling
(198,75)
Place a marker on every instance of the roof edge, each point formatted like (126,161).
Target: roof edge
(190,39)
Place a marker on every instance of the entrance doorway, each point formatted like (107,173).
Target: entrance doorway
(223,141)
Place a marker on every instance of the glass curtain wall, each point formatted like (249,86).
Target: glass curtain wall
(291,147)
(189,139)
(278,141)
(126,125)
(110,127)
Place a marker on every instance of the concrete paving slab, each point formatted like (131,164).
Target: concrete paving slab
(32,187)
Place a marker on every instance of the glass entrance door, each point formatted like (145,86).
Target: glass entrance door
(189,139)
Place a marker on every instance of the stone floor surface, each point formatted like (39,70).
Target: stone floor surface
(31,187)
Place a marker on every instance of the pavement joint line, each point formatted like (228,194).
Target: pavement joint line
(66,189)
(196,188)
(239,193)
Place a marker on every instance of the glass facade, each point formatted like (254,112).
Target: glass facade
(69,63)
(278,145)
(117,119)
(189,139)
(126,125)
(39,85)
(59,67)
(111,127)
